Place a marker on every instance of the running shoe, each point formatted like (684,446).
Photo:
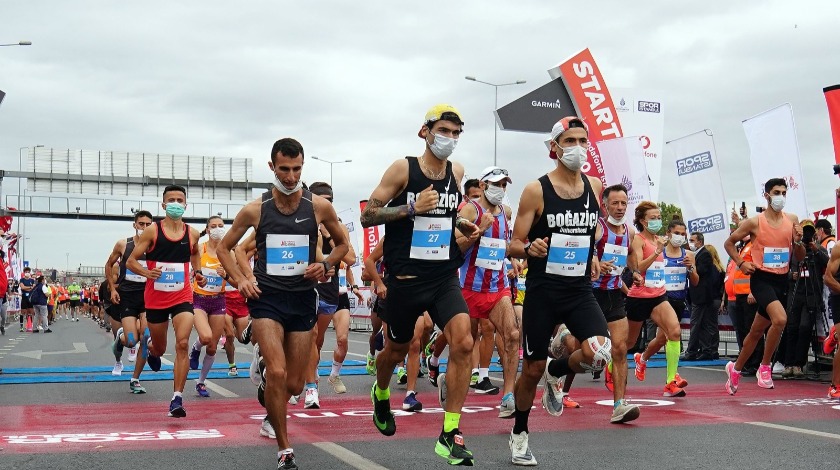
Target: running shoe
(261,395)
(552,398)
(176,408)
(798,373)
(22,329)
(434,372)
(286,461)
(293,400)
(681,382)
(233,371)
(556,347)
(266,430)
(520,453)
(608,378)
(195,354)
(834,392)
(246,334)
(508,406)
(624,412)
(144,344)
(132,354)
(135,387)
(485,387)
(787,373)
(337,384)
(2,330)
(764,376)
(732,378)
(641,367)
(672,390)
(442,390)
(568,402)
(424,367)
(311,400)
(379,341)
(154,362)
(116,345)
(830,341)
(411,403)
(429,349)
(383,418)
(201,390)
(254,369)
(118,368)
(474,379)
(370,368)
(402,377)
(450,445)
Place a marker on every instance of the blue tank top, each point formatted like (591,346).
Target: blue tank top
(676,276)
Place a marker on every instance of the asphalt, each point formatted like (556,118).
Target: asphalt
(65,411)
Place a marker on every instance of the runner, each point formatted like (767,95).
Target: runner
(422,197)
(4,291)
(127,296)
(25,284)
(375,273)
(773,234)
(555,229)
(208,304)
(75,291)
(484,281)
(281,290)
(170,249)
(831,278)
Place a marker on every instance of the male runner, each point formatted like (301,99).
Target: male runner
(75,291)
(555,229)
(170,249)
(26,284)
(830,278)
(422,197)
(773,234)
(281,291)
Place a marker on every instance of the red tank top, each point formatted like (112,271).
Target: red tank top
(654,275)
(771,248)
(173,257)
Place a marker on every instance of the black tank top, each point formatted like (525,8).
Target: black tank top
(429,258)
(577,217)
(328,291)
(170,251)
(127,285)
(281,243)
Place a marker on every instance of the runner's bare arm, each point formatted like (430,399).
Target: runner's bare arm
(747,227)
(244,252)
(465,242)
(831,270)
(530,209)
(325,214)
(350,257)
(114,258)
(248,217)
(144,241)
(370,264)
(393,181)
(798,246)
(195,258)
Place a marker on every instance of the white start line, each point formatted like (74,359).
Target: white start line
(95,438)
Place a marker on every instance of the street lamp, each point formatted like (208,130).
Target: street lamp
(495,107)
(19,43)
(331,165)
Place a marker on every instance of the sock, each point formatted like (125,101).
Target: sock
(381,394)
(206,365)
(483,373)
(434,361)
(474,372)
(609,367)
(520,420)
(119,349)
(408,392)
(336,369)
(231,365)
(311,385)
(672,358)
(450,421)
(617,402)
(176,395)
(196,346)
(285,451)
(559,367)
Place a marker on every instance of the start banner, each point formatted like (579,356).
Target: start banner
(371,234)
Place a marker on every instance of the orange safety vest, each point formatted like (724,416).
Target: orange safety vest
(741,281)
(826,241)
(727,281)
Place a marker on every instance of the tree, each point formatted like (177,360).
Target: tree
(668,212)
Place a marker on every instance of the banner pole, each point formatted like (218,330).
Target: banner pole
(765,112)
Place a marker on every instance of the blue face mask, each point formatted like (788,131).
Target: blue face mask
(654,226)
(175,209)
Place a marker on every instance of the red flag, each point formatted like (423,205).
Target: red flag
(6,223)
(371,234)
(832,99)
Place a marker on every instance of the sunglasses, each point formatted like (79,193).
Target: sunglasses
(497,171)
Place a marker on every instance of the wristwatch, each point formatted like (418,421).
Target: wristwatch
(326,266)
(527,247)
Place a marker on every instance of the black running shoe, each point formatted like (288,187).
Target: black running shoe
(176,408)
(287,462)
(434,371)
(485,387)
(246,339)
(383,419)
(153,362)
(450,445)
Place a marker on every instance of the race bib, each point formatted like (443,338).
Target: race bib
(286,255)
(776,257)
(655,275)
(675,278)
(214,281)
(430,238)
(618,255)
(171,277)
(134,277)
(491,253)
(568,255)
(520,283)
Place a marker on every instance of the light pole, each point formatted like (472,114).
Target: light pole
(67,267)
(331,165)
(22,223)
(495,107)
(19,43)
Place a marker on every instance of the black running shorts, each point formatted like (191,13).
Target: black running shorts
(343,302)
(132,304)
(767,288)
(834,305)
(639,309)
(161,315)
(612,303)
(295,310)
(409,298)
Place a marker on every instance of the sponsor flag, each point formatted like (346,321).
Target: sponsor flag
(627,167)
(371,234)
(832,99)
(641,113)
(538,110)
(692,161)
(774,153)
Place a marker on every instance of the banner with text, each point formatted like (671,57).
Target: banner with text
(832,99)
(370,235)
(642,114)
(692,160)
(774,153)
(627,167)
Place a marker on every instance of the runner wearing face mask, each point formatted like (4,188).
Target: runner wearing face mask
(209,304)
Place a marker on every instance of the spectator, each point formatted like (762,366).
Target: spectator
(704,337)
(4,291)
(38,299)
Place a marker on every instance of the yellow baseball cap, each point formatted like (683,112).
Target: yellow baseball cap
(437,111)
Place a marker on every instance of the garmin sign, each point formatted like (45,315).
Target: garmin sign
(538,110)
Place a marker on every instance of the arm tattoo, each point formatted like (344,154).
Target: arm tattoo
(376,213)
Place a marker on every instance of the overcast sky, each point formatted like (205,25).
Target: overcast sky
(352,80)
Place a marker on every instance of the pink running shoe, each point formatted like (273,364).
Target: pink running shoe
(641,367)
(732,379)
(764,376)
(830,341)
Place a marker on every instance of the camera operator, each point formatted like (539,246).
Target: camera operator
(806,302)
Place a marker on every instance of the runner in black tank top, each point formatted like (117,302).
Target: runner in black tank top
(555,229)
(281,291)
(422,196)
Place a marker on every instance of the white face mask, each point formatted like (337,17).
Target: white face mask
(494,194)
(573,157)
(678,240)
(692,246)
(216,233)
(442,146)
(777,202)
(613,221)
(288,192)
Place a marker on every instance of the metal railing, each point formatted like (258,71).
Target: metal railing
(110,206)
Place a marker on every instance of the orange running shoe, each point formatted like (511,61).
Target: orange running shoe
(681,382)
(830,340)
(641,367)
(834,392)
(569,403)
(608,379)
(672,390)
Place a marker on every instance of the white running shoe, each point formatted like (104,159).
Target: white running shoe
(254,370)
(520,453)
(118,368)
(132,354)
(552,398)
(266,430)
(311,400)
(337,383)
(293,400)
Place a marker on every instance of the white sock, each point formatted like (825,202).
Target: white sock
(474,371)
(483,373)
(434,361)
(175,395)
(409,392)
(284,451)
(336,369)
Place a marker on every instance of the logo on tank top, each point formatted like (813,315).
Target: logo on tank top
(447,202)
(707,224)
(572,222)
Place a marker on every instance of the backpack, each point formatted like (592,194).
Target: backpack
(37,296)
